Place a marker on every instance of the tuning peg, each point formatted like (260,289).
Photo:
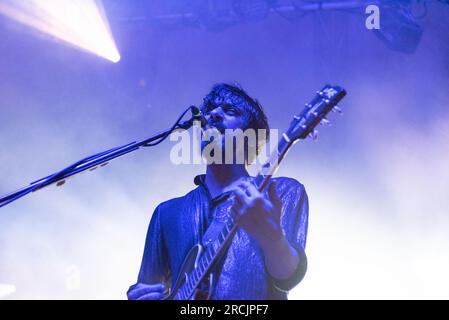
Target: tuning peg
(337,110)
(325,122)
(313,135)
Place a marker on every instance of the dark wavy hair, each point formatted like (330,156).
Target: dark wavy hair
(235,95)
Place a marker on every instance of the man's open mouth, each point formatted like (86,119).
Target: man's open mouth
(219,129)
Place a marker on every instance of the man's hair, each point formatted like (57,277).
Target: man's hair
(233,94)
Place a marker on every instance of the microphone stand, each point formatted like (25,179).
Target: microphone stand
(101,159)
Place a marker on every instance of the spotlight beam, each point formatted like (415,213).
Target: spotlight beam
(81,23)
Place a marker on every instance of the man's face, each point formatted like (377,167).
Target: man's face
(225,116)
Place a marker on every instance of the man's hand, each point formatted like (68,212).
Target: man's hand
(261,217)
(143,291)
(258,215)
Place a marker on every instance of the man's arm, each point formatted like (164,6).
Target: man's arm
(152,276)
(281,259)
(142,291)
(261,217)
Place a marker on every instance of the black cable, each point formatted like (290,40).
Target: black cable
(174,127)
(56,176)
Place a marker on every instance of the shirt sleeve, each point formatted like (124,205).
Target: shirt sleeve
(294,221)
(154,264)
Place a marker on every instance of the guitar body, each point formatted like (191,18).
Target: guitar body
(189,264)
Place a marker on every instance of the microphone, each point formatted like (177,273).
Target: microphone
(198,115)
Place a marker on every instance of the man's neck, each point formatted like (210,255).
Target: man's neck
(219,176)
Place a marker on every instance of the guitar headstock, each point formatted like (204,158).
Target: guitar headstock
(325,101)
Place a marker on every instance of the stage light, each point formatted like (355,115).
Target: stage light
(81,23)
(399,30)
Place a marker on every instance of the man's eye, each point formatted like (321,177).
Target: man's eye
(232,111)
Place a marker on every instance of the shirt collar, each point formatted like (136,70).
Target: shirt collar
(200,180)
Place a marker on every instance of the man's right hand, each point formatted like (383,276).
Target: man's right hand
(142,291)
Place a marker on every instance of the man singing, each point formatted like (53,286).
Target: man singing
(265,258)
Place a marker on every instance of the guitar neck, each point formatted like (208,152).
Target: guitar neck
(270,167)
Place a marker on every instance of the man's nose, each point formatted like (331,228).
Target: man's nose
(216,115)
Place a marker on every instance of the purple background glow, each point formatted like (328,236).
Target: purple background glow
(377,180)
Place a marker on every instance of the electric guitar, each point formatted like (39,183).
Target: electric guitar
(197,266)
